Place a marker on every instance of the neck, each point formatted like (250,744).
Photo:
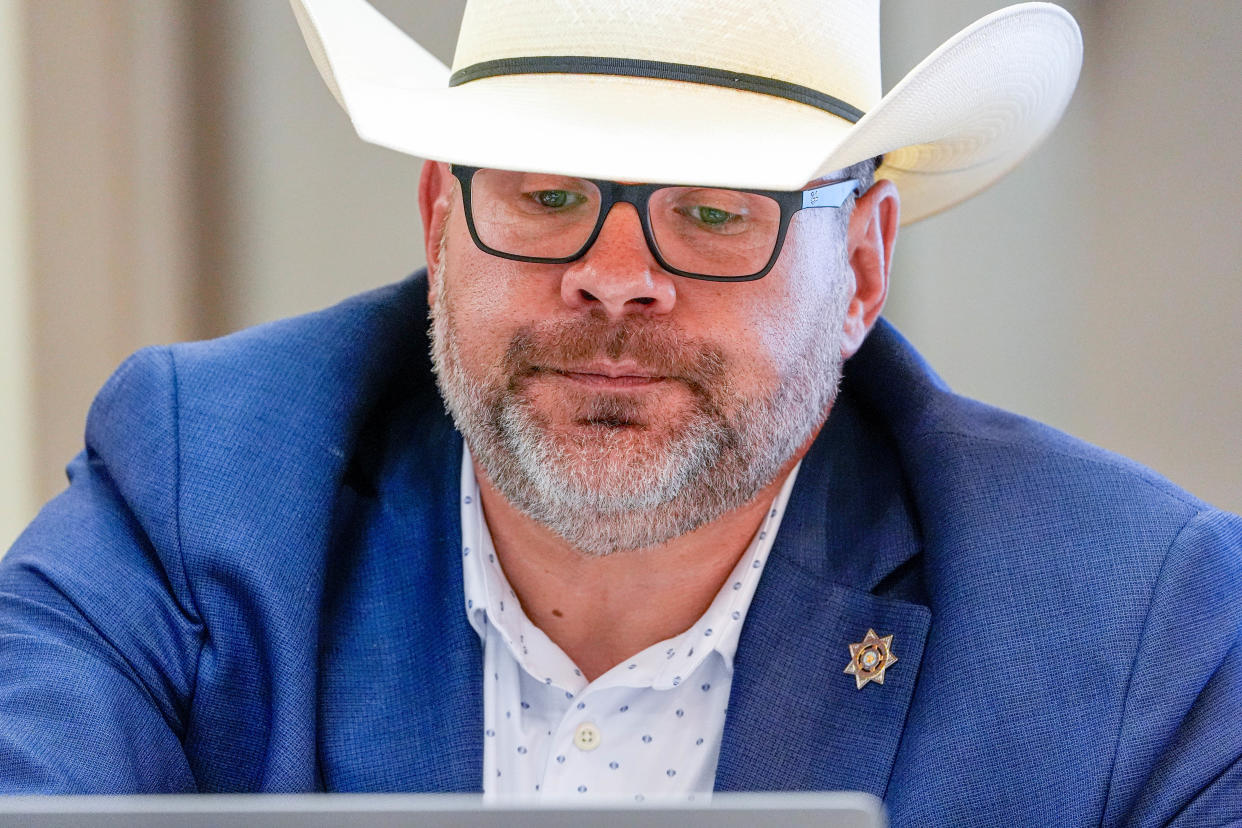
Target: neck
(602,610)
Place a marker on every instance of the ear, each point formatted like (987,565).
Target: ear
(869,244)
(435,201)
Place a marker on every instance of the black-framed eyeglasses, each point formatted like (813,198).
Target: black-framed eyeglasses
(708,233)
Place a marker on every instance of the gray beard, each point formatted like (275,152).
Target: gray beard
(606,491)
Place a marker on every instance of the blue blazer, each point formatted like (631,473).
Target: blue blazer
(252,584)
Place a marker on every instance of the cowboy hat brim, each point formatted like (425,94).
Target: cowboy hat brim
(960,120)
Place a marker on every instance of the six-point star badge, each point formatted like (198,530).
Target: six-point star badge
(869,659)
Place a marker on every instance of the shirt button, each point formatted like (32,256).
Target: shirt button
(587,736)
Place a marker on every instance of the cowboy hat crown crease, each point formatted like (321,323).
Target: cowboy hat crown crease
(832,46)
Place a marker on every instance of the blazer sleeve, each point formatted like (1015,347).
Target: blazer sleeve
(1179,760)
(99,636)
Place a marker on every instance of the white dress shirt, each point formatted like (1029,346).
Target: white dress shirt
(650,727)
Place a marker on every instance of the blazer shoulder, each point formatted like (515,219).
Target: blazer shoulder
(956,445)
(265,421)
(345,345)
(1028,454)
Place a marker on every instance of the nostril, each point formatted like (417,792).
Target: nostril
(587,296)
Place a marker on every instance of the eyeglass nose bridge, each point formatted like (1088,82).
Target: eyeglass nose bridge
(612,193)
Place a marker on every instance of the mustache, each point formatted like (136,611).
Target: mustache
(656,346)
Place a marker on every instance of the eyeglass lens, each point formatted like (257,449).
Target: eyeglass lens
(700,230)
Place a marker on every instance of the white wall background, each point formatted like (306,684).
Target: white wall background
(17,456)
(98,172)
(1096,288)
(1099,287)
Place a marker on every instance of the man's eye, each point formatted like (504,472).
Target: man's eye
(713,218)
(555,199)
(714,215)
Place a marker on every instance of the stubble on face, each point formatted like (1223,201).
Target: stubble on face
(612,472)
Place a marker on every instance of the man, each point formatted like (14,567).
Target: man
(712,526)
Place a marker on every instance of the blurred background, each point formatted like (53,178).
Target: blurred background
(175,169)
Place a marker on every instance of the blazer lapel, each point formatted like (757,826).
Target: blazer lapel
(845,562)
(401,706)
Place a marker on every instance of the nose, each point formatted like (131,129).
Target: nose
(618,275)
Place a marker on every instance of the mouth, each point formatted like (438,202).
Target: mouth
(605,376)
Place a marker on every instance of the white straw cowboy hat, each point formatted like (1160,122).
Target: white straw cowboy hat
(761,94)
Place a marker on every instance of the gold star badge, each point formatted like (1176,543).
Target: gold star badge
(869,659)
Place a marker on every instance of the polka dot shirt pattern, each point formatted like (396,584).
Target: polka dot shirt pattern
(650,727)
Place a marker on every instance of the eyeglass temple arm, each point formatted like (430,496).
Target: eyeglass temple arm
(830,195)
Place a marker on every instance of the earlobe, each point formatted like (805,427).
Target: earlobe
(869,242)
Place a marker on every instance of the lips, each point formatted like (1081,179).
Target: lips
(606,375)
(603,381)
(614,370)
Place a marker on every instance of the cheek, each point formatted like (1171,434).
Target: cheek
(491,286)
(773,327)
(807,300)
(788,331)
(488,299)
